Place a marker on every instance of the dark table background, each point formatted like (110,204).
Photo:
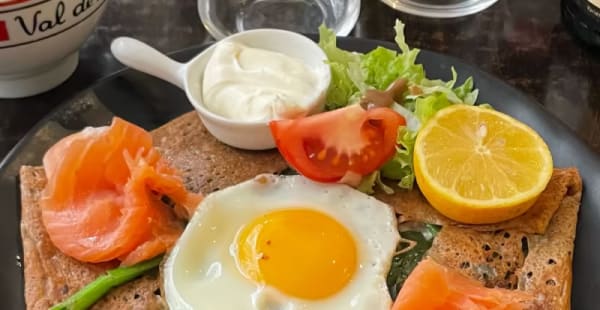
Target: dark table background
(522,42)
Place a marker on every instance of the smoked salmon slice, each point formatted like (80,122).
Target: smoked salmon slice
(105,196)
(431,286)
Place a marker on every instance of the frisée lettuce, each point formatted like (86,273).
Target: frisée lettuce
(353,73)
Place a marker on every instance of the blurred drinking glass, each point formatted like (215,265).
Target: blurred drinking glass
(224,17)
(440,8)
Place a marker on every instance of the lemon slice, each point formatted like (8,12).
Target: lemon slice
(477,165)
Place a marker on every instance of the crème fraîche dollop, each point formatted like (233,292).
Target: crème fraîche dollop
(247,84)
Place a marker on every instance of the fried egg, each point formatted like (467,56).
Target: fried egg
(284,243)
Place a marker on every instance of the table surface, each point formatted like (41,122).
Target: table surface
(522,42)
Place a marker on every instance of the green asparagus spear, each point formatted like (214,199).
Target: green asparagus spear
(89,294)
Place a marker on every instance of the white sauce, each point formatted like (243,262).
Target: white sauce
(249,84)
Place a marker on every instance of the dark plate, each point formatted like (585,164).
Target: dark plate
(150,102)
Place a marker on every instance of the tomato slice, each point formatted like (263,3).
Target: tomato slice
(326,146)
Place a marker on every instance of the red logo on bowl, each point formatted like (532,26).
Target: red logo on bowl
(11,2)
(3,31)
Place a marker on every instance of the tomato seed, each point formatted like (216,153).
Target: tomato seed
(336,160)
(322,154)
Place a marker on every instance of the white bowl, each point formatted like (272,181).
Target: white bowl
(188,76)
(39,42)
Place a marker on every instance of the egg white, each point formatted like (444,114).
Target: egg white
(201,270)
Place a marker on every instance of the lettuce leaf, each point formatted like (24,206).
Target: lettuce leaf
(354,73)
(367,185)
(412,121)
(383,66)
(425,108)
(400,167)
(342,87)
(465,89)
(456,95)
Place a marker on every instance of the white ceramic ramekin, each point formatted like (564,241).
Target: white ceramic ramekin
(188,76)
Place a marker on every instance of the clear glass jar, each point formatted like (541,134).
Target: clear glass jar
(224,17)
(440,8)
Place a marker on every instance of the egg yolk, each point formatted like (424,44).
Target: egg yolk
(303,253)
